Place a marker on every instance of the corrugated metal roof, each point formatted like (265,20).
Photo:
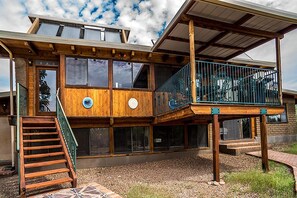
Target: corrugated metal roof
(227,28)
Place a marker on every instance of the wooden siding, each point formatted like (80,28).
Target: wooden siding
(31,90)
(120,103)
(73,97)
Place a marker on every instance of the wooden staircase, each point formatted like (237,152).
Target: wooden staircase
(237,147)
(43,152)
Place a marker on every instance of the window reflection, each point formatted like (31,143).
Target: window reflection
(47,90)
(48,29)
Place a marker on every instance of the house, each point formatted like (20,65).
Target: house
(82,84)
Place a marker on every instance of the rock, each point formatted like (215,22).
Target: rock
(210,183)
(216,183)
(222,183)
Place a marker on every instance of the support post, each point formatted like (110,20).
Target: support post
(264,151)
(111,140)
(215,147)
(279,69)
(186,136)
(192,60)
(151,138)
(11,99)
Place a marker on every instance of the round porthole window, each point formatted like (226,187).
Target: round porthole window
(133,103)
(87,102)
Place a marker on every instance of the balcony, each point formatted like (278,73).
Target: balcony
(218,83)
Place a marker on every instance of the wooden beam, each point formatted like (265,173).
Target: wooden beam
(31,48)
(215,147)
(149,56)
(124,36)
(132,54)
(34,27)
(222,26)
(264,150)
(73,49)
(205,44)
(279,69)
(94,50)
(200,56)
(151,138)
(192,60)
(113,52)
(242,20)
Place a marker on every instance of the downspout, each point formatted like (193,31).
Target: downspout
(11,99)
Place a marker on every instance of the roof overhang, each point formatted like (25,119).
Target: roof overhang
(224,29)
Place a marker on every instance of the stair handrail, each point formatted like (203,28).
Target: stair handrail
(66,130)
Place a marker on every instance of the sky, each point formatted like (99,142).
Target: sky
(146,18)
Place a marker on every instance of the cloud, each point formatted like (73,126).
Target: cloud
(146,18)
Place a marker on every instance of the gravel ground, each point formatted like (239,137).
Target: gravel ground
(186,177)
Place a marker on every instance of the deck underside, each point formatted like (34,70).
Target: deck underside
(202,113)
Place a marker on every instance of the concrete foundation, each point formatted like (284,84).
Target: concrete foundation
(272,139)
(5,141)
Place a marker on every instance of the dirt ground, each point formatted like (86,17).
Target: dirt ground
(184,177)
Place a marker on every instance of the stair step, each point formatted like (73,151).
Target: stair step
(46,163)
(42,147)
(240,144)
(41,133)
(42,140)
(44,173)
(38,121)
(236,141)
(32,156)
(49,183)
(37,128)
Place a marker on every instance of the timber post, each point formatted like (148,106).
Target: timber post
(279,69)
(215,147)
(264,151)
(192,60)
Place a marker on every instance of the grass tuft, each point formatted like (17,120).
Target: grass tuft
(292,149)
(145,191)
(279,182)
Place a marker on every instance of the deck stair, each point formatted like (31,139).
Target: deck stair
(42,153)
(237,147)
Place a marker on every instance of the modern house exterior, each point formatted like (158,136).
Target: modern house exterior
(82,84)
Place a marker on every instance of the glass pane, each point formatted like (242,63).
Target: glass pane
(97,72)
(82,137)
(47,90)
(122,140)
(136,69)
(140,75)
(161,140)
(48,29)
(91,34)
(122,74)
(76,71)
(99,141)
(70,32)
(177,136)
(113,37)
(198,136)
(140,137)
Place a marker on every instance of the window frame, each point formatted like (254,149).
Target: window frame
(279,122)
(86,86)
(148,65)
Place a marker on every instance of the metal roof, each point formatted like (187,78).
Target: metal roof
(6,94)
(224,28)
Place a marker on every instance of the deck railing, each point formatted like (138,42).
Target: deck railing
(22,108)
(67,132)
(218,83)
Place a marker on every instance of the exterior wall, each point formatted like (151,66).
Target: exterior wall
(282,132)
(5,142)
(21,71)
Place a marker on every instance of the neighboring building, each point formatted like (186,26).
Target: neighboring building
(5,134)
(131,103)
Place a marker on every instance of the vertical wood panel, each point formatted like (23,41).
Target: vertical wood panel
(62,78)
(111,140)
(151,138)
(120,103)
(31,90)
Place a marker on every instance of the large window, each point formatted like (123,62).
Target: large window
(86,72)
(197,136)
(168,137)
(92,141)
(280,118)
(131,139)
(130,75)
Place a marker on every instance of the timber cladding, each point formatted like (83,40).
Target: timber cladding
(120,103)
(72,102)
